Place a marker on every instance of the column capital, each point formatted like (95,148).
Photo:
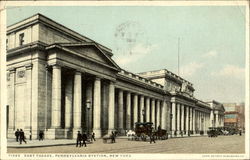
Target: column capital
(97,78)
(28,66)
(12,70)
(112,82)
(56,66)
(78,72)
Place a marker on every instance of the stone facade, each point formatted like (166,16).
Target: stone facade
(61,82)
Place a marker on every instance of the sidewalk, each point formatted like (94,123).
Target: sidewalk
(11,143)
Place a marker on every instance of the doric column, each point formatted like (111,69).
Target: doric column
(194,120)
(89,106)
(187,119)
(120,110)
(68,103)
(56,97)
(182,117)
(77,109)
(147,109)
(217,119)
(111,107)
(97,107)
(191,118)
(157,113)
(153,112)
(135,105)
(11,100)
(29,97)
(173,116)
(142,108)
(178,117)
(200,121)
(128,111)
(211,119)
(164,114)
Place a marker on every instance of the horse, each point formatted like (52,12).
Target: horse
(131,135)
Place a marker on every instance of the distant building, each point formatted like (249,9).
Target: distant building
(217,114)
(235,115)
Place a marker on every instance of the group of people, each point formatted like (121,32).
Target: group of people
(82,138)
(20,136)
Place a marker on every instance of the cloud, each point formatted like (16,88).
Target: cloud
(212,53)
(190,69)
(134,53)
(231,71)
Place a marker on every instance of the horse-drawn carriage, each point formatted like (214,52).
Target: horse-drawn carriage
(143,130)
(212,132)
(161,134)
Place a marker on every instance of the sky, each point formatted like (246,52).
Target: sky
(145,38)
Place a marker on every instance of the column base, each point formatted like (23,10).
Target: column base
(68,133)
(11,133)
(121,132)
(98,133)
(174,133)
(55,133)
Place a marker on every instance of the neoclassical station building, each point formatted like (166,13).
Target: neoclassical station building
(61,82)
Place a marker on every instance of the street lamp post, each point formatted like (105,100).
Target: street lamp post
(88,103)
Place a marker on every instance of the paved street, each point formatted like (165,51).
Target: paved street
(221,144)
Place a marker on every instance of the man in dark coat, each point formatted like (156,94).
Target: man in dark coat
(41,135)
(84,139)
(112,137)
(152,137)
(17,133)
(79,139)
(22,136)
(93,136)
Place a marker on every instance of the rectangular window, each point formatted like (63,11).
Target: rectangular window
(21,39)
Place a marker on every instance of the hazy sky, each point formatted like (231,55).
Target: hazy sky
(212,41)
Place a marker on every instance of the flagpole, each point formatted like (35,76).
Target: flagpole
(178,56)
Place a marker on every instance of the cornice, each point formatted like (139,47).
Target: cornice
(140,83)
(25,48)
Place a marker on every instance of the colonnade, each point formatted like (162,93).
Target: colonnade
(139,108)
(124,107)
(186,119)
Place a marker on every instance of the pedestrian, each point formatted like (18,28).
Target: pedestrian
(93,136)
(240,133)
(112,137)
(17,133)
(79,139)
(152,138)
(30,135)
(41,135)
(22,136)
(84,139)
